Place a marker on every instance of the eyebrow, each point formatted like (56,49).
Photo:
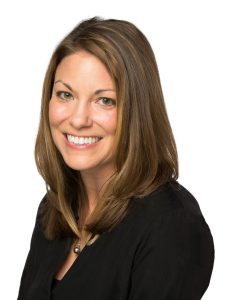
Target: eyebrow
(95,93)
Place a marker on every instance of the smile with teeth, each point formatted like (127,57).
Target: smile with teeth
(82,140)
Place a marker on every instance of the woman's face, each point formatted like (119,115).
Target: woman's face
(83,113)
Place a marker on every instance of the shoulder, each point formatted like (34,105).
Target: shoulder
(170,218)
(38,228)
(168,198)
(174,247)
(41,209)
(171,209)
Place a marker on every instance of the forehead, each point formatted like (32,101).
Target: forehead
(83,65)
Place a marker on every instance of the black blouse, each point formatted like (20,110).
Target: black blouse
(162,250)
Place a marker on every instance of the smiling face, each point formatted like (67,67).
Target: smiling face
(83,113)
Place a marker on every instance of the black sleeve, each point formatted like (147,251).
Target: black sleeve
(175,260)
(27,264)
(30,261)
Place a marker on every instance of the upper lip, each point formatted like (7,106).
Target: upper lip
(79,136)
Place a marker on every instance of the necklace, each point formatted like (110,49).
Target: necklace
(76,248)
(90,240)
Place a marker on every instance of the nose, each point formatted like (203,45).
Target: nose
(81,115)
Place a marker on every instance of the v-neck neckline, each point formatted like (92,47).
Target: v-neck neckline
(75,266)
(75,263)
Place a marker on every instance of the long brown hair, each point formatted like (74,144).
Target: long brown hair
(145,151)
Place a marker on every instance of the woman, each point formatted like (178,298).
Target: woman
(114,223)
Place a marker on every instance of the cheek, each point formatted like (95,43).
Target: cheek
(57,113)
(107,121)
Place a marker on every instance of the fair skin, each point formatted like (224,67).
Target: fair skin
(83,104)
(82,117)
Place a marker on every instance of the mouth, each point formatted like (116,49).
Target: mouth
(82,140)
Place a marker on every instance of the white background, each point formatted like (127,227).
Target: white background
(188,40)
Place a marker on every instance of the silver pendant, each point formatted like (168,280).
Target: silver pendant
(76,249)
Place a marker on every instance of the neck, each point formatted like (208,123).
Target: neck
(95,184)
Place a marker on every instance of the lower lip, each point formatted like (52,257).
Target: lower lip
(80,147)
